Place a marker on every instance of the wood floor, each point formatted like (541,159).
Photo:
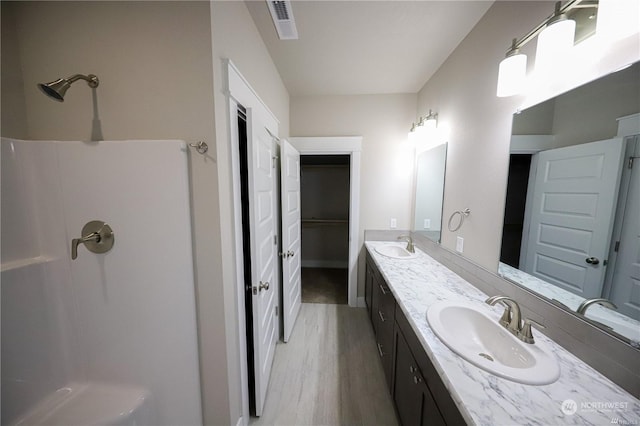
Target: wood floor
(329,372)
(325,285)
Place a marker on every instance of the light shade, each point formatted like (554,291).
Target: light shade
(512,75)
(617,19)
(553,43)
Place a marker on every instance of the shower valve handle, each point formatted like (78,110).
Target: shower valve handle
(97,237)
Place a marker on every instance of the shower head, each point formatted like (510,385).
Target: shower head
(56,89)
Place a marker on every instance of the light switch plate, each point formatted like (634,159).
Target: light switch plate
(459,244)
(393,223)
(427,224)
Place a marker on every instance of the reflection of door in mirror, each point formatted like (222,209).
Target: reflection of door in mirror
(554,210)
(624,290)
(430,173)
(574,195)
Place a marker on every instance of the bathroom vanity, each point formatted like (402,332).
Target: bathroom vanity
(430,384)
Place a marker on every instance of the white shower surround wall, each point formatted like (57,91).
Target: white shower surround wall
(126,317)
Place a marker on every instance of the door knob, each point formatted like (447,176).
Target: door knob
(290,253)
(97,237)
(263,286)
(592,260)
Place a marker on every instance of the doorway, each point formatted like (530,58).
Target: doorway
(347,148)
(325,228)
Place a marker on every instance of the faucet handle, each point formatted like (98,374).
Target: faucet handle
(526,335)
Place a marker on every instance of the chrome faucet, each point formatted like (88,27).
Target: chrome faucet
(410,247)
(582,309)
(512,319)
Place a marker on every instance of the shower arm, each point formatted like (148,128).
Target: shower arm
(91,79)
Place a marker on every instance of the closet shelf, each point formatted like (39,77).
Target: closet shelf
(314,221)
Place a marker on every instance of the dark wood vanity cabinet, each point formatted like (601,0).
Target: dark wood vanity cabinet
(418,392)
(382,311)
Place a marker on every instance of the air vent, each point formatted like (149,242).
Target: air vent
(283,19)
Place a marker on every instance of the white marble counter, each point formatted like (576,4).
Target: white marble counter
(485,399)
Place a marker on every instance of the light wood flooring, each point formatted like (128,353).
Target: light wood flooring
(329,373)
(325,285)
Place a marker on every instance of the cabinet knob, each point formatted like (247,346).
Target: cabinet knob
(411,369)
(416,379)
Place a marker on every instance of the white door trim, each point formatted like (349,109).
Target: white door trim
(239,91)
(342,145)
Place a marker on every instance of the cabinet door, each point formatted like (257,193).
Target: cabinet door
(414,401)
(368,288)
(446,407)
(384,329)
(406,393)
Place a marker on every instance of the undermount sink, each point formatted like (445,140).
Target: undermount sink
(395,252)
(469,332)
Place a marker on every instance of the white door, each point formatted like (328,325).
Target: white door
(260,150)
(574,197)
(290,196)
(625,287)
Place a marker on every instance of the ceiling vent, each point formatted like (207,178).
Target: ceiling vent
(283,19)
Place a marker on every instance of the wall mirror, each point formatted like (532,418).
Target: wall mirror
(430,170)
(572,214)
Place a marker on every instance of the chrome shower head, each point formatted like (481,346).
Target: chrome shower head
(56,89)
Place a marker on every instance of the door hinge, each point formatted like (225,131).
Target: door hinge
(617,247)
(275,161)
(275,240)
(631,161)
(276,310)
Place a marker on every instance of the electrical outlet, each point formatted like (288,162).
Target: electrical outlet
(427,224)
(459,244)
(393,223)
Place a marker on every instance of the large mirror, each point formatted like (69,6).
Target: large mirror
(430,170)
(572,213)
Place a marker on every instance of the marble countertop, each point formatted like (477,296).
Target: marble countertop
(485,399)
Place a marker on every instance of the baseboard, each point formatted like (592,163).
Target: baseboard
(335,264)
(361,303)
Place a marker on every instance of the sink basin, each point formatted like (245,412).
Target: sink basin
(395,252)
(472,334)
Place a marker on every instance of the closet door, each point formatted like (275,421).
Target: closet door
(262,203)
(291,258)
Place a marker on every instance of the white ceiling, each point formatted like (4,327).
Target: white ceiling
(366,47)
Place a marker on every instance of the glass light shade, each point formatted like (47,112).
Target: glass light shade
(512,75)
(553,42)
(430,124)
(617,19)
(413,137)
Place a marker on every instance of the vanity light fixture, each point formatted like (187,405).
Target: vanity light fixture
(425,124)
(555,37)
